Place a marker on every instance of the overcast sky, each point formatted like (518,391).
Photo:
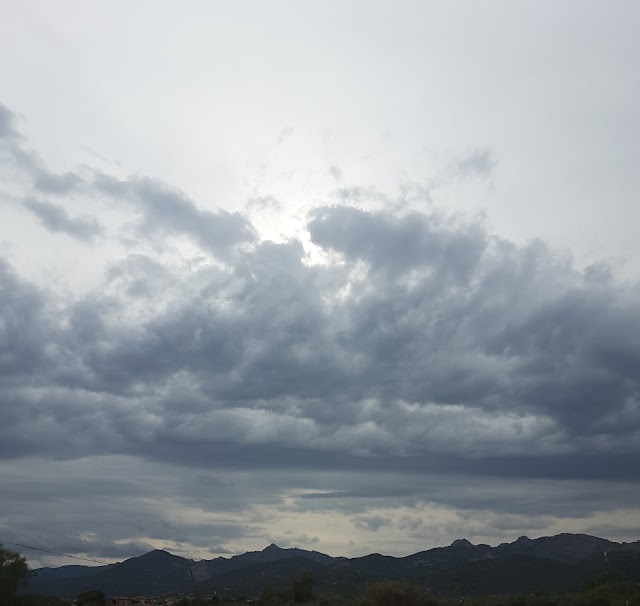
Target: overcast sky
(347,276)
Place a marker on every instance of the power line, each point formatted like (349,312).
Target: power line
(66,555)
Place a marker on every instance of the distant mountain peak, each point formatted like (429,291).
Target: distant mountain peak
(157,553)
(461,543)
(522,566)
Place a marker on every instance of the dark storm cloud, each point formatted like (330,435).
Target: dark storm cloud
(56,219)
(99,503)
(423,361)
(399,244)
(163,210)
(467,489)
(432,344)
(140,276)
(148,500)
(25,332)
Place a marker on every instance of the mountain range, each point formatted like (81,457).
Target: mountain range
(561,562)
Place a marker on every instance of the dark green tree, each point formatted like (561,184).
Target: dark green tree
(301,587)
(269,596)
(14,573)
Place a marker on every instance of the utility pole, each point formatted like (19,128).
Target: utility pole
(195,587)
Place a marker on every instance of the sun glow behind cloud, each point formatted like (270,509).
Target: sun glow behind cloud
(363,295)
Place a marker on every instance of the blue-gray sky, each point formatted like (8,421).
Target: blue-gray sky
(350,276)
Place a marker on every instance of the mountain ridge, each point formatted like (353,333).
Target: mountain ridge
(559,560)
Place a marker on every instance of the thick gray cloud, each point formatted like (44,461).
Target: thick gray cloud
(56,219)
(57,184)
(427,338)
(200,350)
(399,244)
(25,331)
(381,363)
(163,211)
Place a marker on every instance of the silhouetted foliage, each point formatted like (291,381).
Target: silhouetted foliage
(270,597)
(301,587)
(14,573)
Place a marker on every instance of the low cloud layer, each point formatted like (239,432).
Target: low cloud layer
(399,369)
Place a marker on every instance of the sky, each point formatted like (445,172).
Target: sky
(347,276)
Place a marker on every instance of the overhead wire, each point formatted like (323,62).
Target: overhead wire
(66,555)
